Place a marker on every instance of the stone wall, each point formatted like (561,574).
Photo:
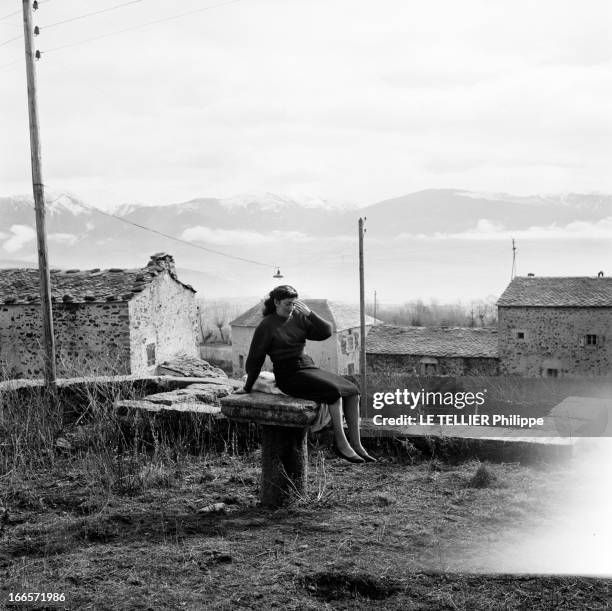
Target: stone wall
(411,364)
(163,323)
(551,342)
(89,338)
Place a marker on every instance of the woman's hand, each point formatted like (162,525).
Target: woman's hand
(240,391)
(300,306)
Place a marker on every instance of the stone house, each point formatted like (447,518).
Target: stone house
(555,326)
(432,351)
(339,353)
(112,321)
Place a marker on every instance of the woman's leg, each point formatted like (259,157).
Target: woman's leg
(335,411)
(350,406)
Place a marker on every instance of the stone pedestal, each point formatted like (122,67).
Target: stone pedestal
(284,457)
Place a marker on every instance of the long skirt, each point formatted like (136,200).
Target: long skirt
(300,377)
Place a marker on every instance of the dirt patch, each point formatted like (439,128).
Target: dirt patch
(338,585)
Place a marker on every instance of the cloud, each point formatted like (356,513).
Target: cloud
(63,238)
(232,237)
(21,235)
(486,230)
(479,99)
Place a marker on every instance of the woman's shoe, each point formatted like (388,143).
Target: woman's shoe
(353,459)
(366,457)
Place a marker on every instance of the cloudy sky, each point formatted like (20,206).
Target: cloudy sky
(351,101)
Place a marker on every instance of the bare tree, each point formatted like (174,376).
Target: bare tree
(221,317)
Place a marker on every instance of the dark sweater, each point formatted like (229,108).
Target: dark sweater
(283,338)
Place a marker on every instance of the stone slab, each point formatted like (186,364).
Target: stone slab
(125,406)
(165,382)
(172,382)
(269,409)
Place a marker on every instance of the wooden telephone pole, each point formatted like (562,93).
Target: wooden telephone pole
(362,351)
(39,205)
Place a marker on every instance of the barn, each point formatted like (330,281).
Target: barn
(106,321)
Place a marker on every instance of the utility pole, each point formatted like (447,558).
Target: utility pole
(39,205)
(513,274)
(362,351)
(374,304)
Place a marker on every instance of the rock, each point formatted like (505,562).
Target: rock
(582,416)
(214,508)
(62,442)
(190,366)
(279,410)
(127,406)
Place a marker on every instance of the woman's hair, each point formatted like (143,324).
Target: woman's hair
(280,292)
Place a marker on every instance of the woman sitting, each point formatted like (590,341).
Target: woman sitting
(282,334)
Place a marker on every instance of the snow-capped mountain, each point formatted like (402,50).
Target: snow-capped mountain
(422,236)
(271,202)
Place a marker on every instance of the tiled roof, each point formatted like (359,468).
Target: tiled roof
(558,292)
(432,341)
(19,286)
(341,315)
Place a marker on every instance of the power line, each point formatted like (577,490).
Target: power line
(19,11)
(10,15)
(105,10)
(16,61)
(108,34)
(6,42)
(142,25)
(51,25)
(11,63)
(165,235)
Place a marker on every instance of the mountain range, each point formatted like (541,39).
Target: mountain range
(419,237)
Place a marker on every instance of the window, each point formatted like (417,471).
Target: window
(428,369)
(350,369)
(591,340)
(350,343)
(428,366)
(520,335)
(150,354)
(241,361)
(552,373)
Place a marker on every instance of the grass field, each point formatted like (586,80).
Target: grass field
(134,515)
(189,534)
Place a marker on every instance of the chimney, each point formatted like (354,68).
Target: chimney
(163,259)
(600,275)
(530,275)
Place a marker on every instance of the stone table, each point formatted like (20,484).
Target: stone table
(284,453)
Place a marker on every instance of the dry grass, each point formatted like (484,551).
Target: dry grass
(119,516)
(381,536)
